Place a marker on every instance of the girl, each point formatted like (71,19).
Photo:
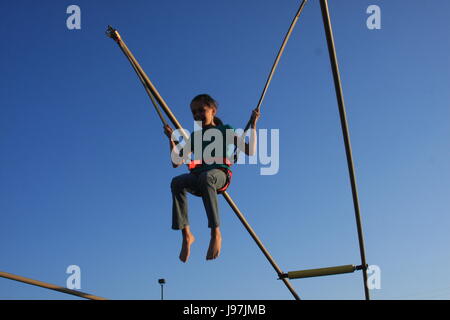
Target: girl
(206,177)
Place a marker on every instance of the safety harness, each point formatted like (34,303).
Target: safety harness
(195,164)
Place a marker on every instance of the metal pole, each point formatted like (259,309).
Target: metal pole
(345,132)
(259,243)
(152,98)
(114,34)
(162,282)
(49,286)
(274,66)
(280,52)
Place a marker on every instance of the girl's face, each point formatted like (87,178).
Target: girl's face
(203,113)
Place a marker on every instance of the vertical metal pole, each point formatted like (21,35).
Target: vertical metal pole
(341,104)
(162,282)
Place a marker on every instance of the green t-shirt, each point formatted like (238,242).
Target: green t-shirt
(212,149)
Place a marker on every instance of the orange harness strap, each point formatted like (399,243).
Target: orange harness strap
(198,163)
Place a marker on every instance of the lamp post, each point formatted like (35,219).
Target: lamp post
(162,282)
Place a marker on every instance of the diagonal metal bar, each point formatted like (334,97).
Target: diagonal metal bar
(346,135)
(274,67)
(266,253)
(49,286)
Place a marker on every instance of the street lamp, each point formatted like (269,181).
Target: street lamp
(162,282)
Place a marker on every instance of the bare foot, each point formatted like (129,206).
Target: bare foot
(215,244)
(188,239)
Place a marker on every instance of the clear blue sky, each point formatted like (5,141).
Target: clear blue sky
(85,170)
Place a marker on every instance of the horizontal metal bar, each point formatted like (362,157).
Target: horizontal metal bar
(321,272)
(49,286)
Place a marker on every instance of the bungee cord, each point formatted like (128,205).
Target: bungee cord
(272,71)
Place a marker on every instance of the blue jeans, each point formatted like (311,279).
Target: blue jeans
(206,184)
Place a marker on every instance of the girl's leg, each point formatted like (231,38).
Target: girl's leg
(215,244)
(188,239)
(179,186)
(209,182)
